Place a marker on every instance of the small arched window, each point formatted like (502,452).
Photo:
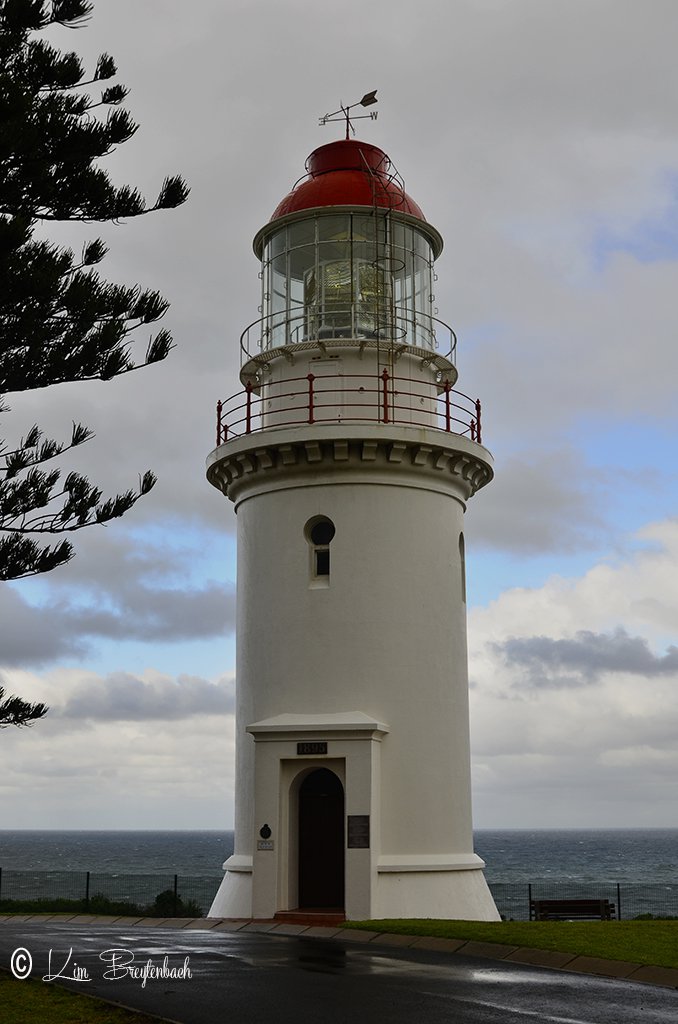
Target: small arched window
(319,533)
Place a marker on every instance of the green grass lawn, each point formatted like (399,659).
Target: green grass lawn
(25,1002)
(639,942)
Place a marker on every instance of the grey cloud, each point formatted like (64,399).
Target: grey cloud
(145,593)
(574,791)
(123,697)
(583,658)
(109,595)
(536,503)
(114,559)
(33,636)
(144,613)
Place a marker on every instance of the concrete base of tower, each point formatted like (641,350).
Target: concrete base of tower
(399,893)
(234,898)
(446,895)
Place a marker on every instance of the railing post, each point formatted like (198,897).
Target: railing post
(248,412)
(618,901)
(175,902)
(87,892)
(310,379)
(384,378)
(472,425)
(478,432)
(219,407)
(447,405)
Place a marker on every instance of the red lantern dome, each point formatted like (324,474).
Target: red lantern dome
(348,173)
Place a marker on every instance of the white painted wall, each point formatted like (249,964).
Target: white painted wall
(387,636)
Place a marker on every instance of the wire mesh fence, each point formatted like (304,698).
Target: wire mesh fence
(629,900)
(166,895)
(153,895)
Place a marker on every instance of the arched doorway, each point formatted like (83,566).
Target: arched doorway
(321,840)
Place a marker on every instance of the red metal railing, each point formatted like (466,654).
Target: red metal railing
(348,398)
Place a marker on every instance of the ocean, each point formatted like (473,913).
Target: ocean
(648,856)
(635,868)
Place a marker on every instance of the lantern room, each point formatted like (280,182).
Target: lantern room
(347,254)
(347,275)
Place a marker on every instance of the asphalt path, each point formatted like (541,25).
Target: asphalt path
(253,978)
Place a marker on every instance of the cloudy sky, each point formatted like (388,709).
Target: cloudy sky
(541,138)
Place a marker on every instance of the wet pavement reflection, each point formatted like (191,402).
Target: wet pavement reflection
(238,978)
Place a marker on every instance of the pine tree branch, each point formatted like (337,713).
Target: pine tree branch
(22,556)
(82,505)
(28,454)
(15,711)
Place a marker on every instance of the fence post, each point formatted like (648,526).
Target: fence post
(0,883)
(87,892)
(384,377)
(618,901)
(248,414)
(478,432)
(174,914)
(529,901)
(310,379)
(447,405)
(219,422)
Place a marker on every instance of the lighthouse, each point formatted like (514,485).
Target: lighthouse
(350,456)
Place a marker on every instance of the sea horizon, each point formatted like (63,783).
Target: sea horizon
(476,828)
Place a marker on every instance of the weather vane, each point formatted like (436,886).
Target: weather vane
(368,99)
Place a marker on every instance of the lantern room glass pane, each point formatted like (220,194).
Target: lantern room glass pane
(370,227)
(397,235)
(277,244)
(334,227)
(301,233)
(422,247)
(422,306)
(329,252)
(328,295)
(301,260)
(279,283)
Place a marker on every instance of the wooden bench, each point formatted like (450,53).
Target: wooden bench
(571,910)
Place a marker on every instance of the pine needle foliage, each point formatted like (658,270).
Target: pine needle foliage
(59,320)
(15,711)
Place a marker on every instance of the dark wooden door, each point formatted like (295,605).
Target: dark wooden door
(321,840)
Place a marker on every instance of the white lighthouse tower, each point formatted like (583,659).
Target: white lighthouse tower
(350,458)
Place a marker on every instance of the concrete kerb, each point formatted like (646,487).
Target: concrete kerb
(666,977)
